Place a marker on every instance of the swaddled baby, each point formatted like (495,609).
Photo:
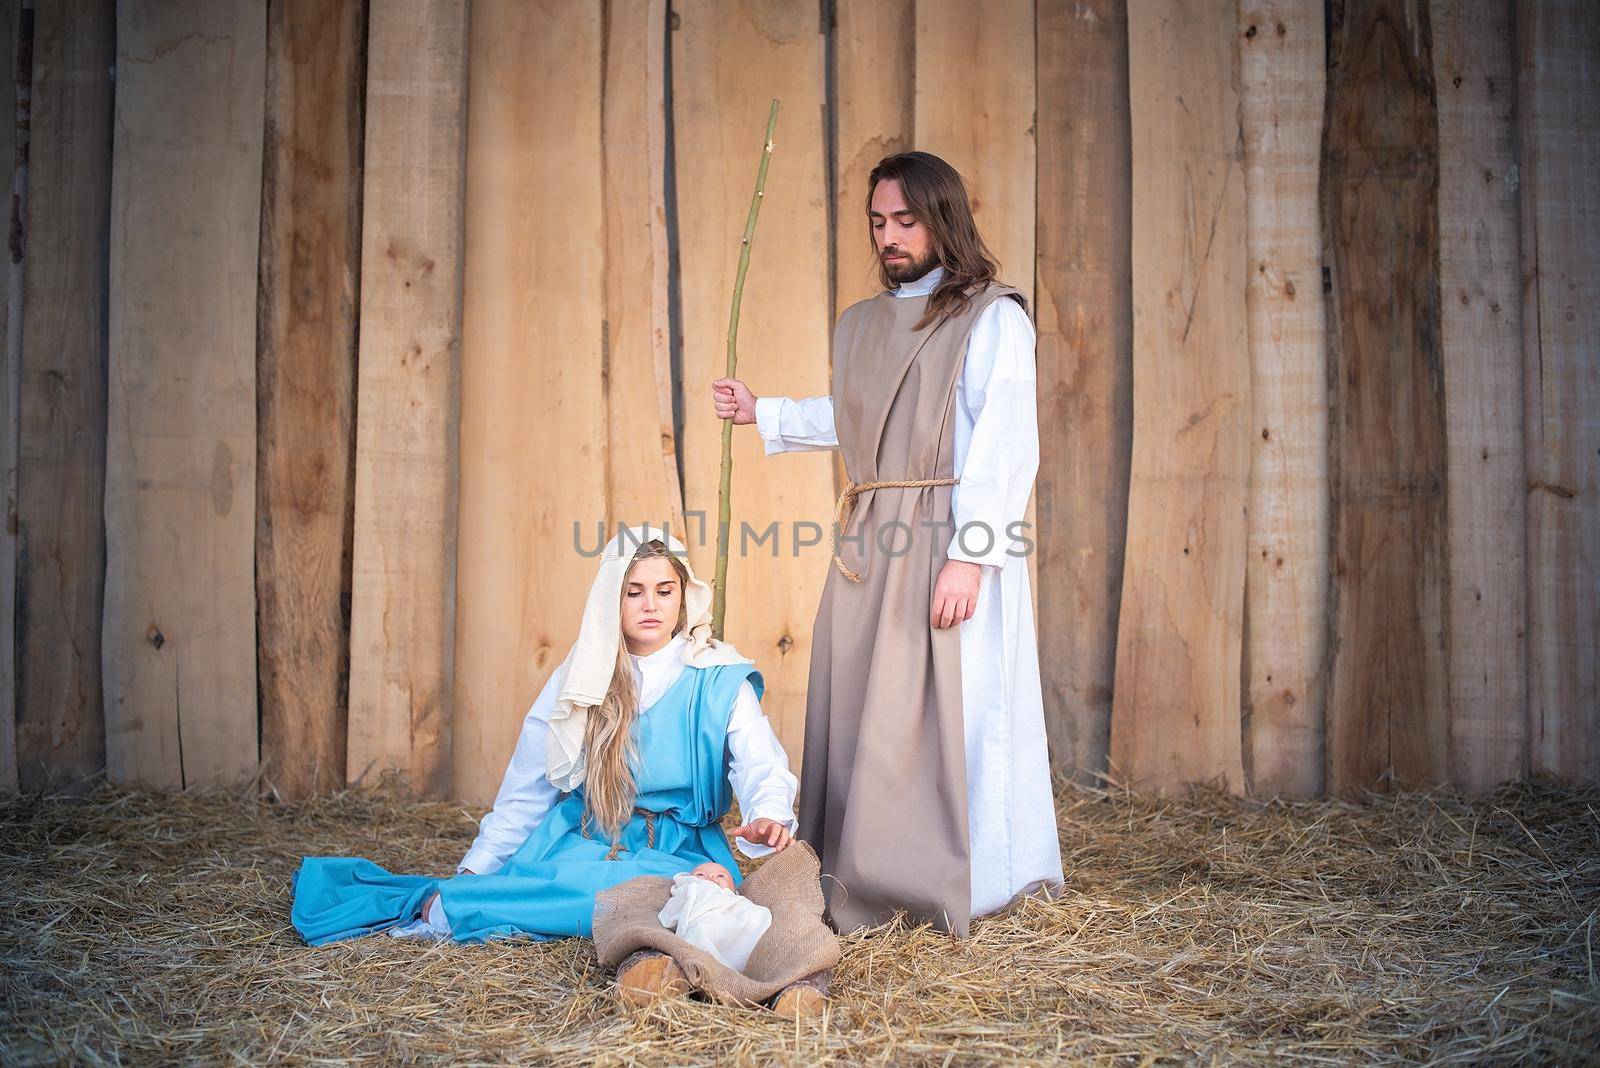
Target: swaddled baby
(707,913)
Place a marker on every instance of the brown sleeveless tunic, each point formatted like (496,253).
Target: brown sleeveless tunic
(883,794)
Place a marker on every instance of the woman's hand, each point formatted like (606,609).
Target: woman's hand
(765,832)
(955,594)
(733,400)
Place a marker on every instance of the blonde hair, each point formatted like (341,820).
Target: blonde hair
(609,788)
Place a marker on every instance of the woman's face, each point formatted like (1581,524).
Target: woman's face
(652,598)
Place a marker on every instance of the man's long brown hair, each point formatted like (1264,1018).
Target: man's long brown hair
(609,789)
(938,198)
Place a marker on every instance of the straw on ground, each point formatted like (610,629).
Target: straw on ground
(1401,929)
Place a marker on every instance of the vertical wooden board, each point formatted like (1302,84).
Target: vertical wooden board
(641,455)
(981,122)
(1084,315)
(533,431)
(1388,680)
(730,58)
(1474,62)
(1175,715)
(402,625)
(179,628)
(1283,89)
(1559,136)
(310,249)
(15,44)
(872,109)
(873,106)
(62,402)
(975,94)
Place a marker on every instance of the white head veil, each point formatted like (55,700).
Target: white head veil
(589,666)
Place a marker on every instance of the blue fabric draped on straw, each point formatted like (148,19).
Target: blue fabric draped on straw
(547,889)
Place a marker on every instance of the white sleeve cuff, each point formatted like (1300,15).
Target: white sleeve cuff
(767,412)
(480,862)
(788,425)
(983,551)
(769,423)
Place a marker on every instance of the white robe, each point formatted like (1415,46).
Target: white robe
(1010,806)
(758,767)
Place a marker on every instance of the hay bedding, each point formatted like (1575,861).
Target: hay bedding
(142,929)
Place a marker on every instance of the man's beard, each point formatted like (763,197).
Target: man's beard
(909,269)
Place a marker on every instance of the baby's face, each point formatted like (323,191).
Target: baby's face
(713,872)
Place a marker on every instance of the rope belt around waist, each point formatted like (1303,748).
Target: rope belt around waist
(847,506)
(616,846)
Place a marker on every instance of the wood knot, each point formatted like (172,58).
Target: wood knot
(155,637)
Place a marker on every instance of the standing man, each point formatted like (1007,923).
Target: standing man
(925,784)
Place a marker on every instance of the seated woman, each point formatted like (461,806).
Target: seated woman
(625,766)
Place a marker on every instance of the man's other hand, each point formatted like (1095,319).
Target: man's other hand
(955,595)
(733,400)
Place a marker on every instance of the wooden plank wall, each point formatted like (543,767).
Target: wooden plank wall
(1559,135)
(729,59)
(982,124)
(1283,86)
(306,367)
(1176,712)
(873,109)
(62,400)
(874,115)
(16,41)
(402,627)
(1388,670)
(1480,283)
(179,626)
(641,442)
(1084,316)
(292,335)
(533,428)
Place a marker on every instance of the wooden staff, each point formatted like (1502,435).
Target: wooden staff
(719,596)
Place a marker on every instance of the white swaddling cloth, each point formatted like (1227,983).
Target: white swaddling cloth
(715,919)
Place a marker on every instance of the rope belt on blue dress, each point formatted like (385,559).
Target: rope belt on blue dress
(616,846)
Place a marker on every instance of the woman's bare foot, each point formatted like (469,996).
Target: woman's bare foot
(804,999)
(647,975)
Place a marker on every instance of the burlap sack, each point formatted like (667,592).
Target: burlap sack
(797,944)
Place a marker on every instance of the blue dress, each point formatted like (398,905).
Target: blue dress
(547,888)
